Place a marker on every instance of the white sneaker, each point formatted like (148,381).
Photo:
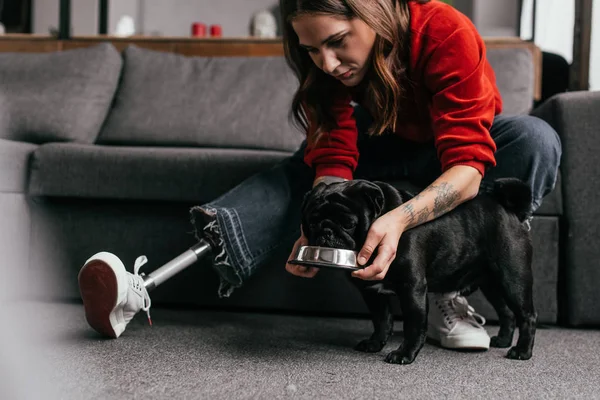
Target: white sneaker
(111,295)
(454,324)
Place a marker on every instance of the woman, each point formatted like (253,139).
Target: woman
(407,86)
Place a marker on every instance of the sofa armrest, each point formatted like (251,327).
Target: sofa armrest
(15,215)
(14,165)
(576,118)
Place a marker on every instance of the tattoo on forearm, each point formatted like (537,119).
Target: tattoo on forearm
(446,197)
(423,215)
(416,217)
(410,210)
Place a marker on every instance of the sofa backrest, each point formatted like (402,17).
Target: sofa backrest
(59,96)
(167,99)
(173,100)
(243,102)
(515,77)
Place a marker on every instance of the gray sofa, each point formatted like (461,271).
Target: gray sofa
(107,151)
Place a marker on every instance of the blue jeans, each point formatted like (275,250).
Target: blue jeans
(262,213)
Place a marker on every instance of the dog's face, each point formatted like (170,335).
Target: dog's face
(339,215)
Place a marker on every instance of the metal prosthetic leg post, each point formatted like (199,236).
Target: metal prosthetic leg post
(178,264)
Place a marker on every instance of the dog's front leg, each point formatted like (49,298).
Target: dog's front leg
(413,301)
(383,321)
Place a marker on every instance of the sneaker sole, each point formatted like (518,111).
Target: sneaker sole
(99,289)
(469,342)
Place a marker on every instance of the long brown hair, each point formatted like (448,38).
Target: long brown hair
(311,106)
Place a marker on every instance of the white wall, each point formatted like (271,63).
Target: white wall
(595,56)
(84,21)
(174,17)
(154,17)
(496,18)
(491,17)
(554,25)
(554,31)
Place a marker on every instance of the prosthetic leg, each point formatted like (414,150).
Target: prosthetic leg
(112,296)
(176,265)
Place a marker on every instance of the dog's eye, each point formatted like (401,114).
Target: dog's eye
(348,224)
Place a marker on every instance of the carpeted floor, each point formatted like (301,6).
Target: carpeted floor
(222,355)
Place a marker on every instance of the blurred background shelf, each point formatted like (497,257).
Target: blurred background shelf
(561,28)
(244,46)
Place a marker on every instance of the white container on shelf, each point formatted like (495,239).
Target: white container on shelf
(264,25)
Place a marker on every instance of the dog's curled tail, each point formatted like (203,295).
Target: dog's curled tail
(514,195)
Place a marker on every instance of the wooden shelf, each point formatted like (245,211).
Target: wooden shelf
(209,47)
(96,38)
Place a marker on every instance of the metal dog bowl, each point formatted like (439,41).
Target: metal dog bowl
(325,257)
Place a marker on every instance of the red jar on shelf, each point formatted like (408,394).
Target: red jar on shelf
(198,29)
(216,31)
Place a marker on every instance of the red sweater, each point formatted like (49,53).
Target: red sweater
(452,103)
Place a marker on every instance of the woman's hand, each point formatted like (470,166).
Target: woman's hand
(384,236)
(455,186)
(299,270)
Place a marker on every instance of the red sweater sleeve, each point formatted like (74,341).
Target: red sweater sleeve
(463,101)
(336,153)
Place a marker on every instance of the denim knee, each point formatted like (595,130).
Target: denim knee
(529,149)
(541,150)
(539,140)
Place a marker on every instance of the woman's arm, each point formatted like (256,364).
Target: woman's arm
(336,153)
(463,106)
(455,186)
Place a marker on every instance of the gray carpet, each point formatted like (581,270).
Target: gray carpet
(223,355)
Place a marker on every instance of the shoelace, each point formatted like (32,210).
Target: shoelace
(457,308)
(139,262)
(527,223)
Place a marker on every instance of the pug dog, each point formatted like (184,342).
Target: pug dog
(481,244)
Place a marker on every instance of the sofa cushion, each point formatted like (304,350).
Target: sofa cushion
(143,173)
(515,78)
(158,173)
(173,100)
(57,96)
(241,102)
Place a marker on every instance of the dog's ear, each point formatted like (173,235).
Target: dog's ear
(369,193)
(311,194)
(305,199)
(514,195)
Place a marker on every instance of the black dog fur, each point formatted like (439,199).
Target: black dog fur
(482,243)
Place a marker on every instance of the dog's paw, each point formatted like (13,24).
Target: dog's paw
(370,346)
(399,357)
(516,354)
(501,342)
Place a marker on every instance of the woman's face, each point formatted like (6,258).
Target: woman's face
(340,47)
